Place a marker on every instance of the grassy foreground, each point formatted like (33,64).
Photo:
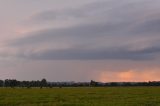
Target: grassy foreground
(109,96)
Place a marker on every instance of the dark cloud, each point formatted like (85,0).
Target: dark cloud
(78,53)
(80,33)
(151,26)
(102,33)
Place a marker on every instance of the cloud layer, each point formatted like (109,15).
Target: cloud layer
(99,30)
(80,40)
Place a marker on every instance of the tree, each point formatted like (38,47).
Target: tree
(7,83)
(43,83)
(13,83)
(1,83)
(93,83)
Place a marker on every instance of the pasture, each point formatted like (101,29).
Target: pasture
(81,96)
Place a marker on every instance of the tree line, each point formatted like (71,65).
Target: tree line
(15,83)
(44,83)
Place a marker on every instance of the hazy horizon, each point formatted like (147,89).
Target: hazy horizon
(73,40)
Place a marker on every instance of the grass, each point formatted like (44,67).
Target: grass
(108,96)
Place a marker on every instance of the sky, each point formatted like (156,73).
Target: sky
(80,40)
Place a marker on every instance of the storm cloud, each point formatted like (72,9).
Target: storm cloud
(80,40)
(99,30)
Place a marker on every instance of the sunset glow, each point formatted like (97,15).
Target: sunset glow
(130,75)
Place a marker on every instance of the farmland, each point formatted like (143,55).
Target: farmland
(81,96)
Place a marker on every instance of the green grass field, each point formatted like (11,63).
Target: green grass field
(108,96)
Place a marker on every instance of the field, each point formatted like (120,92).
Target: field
(108,96)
